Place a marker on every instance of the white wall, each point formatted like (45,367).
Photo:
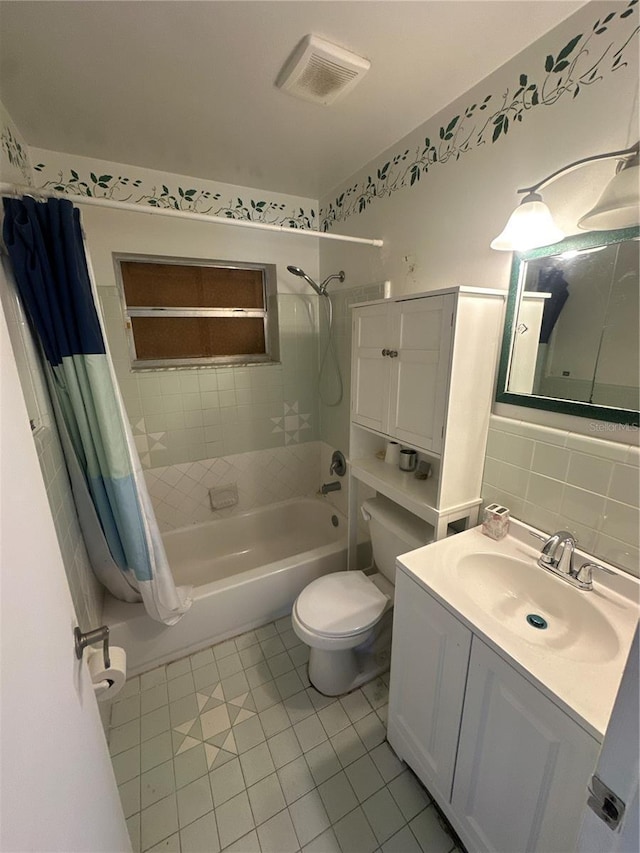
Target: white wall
(437,231)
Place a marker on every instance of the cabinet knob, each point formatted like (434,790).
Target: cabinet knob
(393,353)
(386,352)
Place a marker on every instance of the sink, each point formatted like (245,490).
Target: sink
(577,653)
(562,618)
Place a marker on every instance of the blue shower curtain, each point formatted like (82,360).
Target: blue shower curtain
(45,246)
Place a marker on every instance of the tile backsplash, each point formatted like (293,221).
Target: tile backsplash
(554,479)
(180,493)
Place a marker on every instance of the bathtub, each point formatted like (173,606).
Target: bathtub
(245,570)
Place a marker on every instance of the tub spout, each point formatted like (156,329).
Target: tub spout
(325,488)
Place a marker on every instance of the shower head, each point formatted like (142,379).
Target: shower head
(321,289)
(302,274)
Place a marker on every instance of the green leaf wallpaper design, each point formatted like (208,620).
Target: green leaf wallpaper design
(583,61)
(191,199)
(15,153)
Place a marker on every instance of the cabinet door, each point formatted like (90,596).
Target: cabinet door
(429,659)
(523,765)
(420,372)
(370,372)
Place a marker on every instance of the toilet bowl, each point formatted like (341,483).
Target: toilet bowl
(345,617)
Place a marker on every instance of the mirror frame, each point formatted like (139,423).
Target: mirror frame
(554,404)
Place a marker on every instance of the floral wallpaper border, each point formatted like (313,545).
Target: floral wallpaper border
(15,153)
(583,61)
(195,199)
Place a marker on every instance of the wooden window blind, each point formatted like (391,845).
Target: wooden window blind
(185,314)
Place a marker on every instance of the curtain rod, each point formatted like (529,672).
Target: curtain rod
(34,192)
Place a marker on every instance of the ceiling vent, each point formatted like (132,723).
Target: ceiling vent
(321,72)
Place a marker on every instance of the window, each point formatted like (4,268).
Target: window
(185,313)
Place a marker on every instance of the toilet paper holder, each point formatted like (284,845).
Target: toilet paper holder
(98,635)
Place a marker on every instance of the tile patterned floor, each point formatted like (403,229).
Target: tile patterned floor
(231,749)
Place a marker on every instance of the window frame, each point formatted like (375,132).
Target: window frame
(269,314)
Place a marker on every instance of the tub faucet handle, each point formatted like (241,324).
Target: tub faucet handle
(338,464)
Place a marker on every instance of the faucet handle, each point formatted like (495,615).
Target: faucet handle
(538,536)
(585,573)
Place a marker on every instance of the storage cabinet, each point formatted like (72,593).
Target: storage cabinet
(423,369)
(507,766)
(401,356)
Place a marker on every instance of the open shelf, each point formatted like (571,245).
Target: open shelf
(419,497)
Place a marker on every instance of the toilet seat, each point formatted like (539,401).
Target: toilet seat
(340,604)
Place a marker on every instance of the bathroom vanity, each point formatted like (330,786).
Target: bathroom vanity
(422,374)
(503,721)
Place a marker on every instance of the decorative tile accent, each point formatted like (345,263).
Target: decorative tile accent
(585,60)
(291,423)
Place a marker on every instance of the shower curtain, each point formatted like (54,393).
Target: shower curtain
(46,249)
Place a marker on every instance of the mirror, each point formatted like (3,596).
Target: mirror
(571,341)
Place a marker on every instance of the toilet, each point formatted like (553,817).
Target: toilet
(345,617)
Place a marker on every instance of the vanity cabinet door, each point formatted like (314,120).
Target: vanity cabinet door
(372,333)
(420,372)
(429,660)
(523,765)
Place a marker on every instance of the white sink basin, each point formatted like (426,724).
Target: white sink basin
(577,658)
(512,590)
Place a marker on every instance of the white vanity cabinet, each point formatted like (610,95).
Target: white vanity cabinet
(428,674)
(401,355)
(507,765)
(523,764)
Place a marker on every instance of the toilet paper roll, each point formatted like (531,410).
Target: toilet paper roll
(392,453)
(108,681)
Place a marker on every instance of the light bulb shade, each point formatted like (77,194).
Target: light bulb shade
(529,227)
(619,204)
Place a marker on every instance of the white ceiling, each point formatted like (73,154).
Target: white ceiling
(188,87)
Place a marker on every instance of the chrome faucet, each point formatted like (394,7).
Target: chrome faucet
(549,558)
(325,488)
(562,564)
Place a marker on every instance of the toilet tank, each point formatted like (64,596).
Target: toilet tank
(394,531)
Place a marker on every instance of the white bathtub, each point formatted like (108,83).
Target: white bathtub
(245,570)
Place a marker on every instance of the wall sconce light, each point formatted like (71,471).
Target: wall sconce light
(531,224)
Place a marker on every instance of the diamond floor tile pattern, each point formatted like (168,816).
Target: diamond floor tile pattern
(231,749)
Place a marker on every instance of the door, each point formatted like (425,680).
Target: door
(372,340)
(58,787)
(618,768)
(429,661)
(522,765)
(420,372)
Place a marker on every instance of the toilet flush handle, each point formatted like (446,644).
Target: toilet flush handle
(366,515)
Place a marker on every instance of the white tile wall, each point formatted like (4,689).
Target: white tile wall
(554,479)
(180,493)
